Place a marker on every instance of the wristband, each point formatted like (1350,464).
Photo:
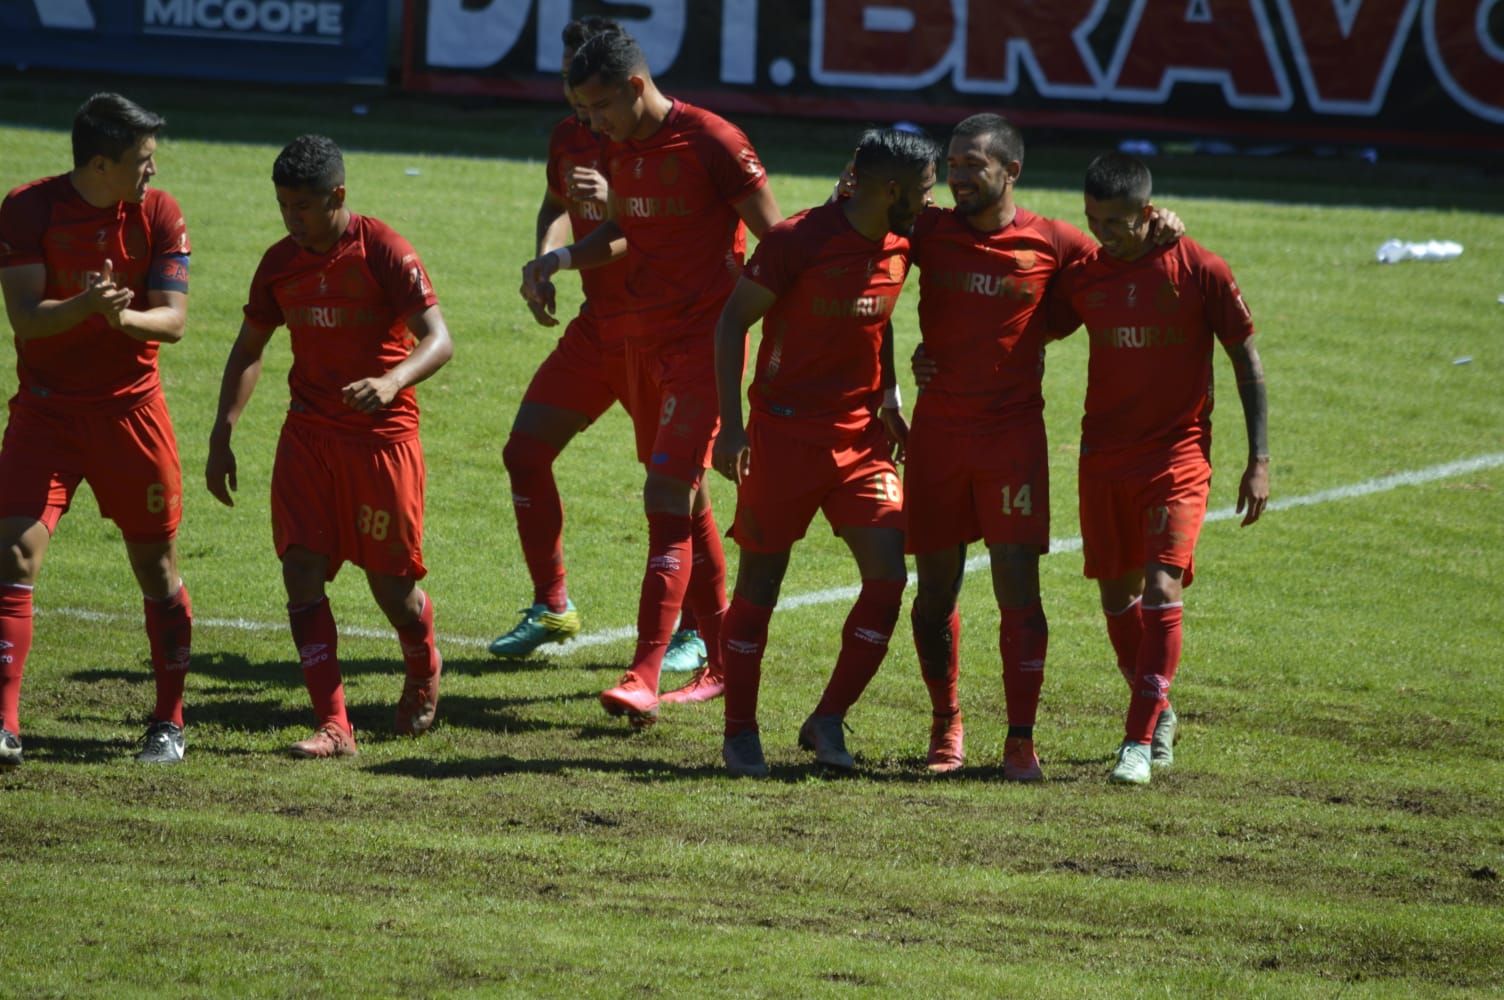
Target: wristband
(562,256)
(891,398)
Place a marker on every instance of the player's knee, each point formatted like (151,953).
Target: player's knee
(524,453)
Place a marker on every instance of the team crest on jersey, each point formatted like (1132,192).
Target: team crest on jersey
(896,267)
(668,170)
(1096,300)
(1025,259)
(748,159)
(1167,299)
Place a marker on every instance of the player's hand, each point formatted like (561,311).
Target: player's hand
(1253,490)
(897,426)
(586,184)
(370,394)
(219,472)
(535,284)
(543,311)
(732,456)
(106,297)
(1164,226)
(923,366)
(846,183)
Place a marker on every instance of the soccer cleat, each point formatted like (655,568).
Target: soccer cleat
(686,651)
(10,749)
(538,626)
(634,699)
(1020,763)
(1132,766)
(162,744)
(419,704)
(329,740)
(701,687)
(1162,746)
(743,755)
(946,753)
(823,735)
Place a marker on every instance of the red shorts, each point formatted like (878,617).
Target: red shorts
(351,499)
(674,410)
(855,486)
(582,373)
(962,486)
(130,461)
(1129,519)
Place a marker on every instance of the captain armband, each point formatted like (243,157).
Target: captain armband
(169,273)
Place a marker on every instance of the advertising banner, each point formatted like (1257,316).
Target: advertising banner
(1426,73)
(291,41)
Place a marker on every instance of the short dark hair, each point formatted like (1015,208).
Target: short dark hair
(107,125)
(891,152)
(1119,175)
(311,163)
(612,55)
(1005,142)
(581,30)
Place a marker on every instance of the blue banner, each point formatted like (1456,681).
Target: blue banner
(289,41)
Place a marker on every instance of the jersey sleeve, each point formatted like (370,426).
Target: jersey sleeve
(734,169)
(23,223)
(778,260)
(1070,243)
(261,308)
(403,279)
(1226,312)
(551,170)
(170,246)
(1056,313)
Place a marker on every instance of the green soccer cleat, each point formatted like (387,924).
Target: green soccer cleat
(1162,747)
(1133,765)
(538,626)
(686,651)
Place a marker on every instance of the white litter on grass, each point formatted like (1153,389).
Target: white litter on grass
(412,171)
(1464,360)
(1394,251)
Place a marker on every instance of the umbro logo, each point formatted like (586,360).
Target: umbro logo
(668,562)
(871,635)
(743,647)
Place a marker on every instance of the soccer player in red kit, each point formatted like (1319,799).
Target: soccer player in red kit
(577,382)
(94,268)
(347,484)
(1153,315)
(685,186)
(822,434)
(978,467)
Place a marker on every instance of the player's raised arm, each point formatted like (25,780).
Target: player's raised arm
(34,316)
(1253,488)
(242,372)
(749,302)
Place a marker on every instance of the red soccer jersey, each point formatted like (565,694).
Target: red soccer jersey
(978,293)
(817,364)
(675,194)
(574,145)
(92,367)
(347,311)
(1152,322)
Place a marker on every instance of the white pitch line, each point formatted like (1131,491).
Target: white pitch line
(1368,487)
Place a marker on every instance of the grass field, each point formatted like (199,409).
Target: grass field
(1332,826)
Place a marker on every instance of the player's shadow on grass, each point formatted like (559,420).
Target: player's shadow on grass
(501,766)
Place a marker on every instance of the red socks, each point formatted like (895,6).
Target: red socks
(1158,657)
(540,515)
(664,583)
(169,631)
(864,643)
(15,644)
(418,649)
(705,600)
(318,649)
(745,636)
(939,648)
(1126,631)
(1023,637)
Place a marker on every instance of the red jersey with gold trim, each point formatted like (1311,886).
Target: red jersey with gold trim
(347,311)
(978,293)
(574,145)
(817,363)
(1153,324)
(93,367)
(675,195)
